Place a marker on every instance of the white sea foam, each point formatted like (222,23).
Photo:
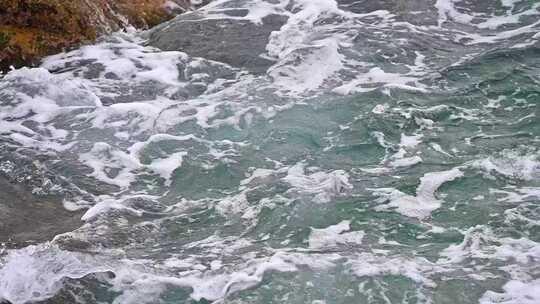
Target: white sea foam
(334,235)
(481,242)
(48,96)
(123,58)
(447,10)
(36,272)
(406,161)
(318,186)
(311,56)
(299,55)
(120,167)
(516,195)
(315,51)
(166,166)
(103,158)
(106,205)
(233,205)
(407,143)
(210,283)
(309,74)
(376,78)
(514,292)
(513,164)
(324,186)
(369,265)
(410,141)
(425,201)
(58,89)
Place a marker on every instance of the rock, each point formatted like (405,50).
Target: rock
(31,29)
(33,195)
(419,12)
(238,43)
(27,219)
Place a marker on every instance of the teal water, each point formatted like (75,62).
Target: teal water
(390,155)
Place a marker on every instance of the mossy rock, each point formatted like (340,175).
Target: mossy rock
(32,29)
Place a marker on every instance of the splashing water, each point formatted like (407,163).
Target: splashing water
(363,152)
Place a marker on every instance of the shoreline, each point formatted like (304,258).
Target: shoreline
(31,30)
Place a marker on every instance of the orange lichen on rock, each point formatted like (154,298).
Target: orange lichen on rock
(31,29)
(146,13)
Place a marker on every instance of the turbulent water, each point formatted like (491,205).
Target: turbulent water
(388,153)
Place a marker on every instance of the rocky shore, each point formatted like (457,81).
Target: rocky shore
(32,29)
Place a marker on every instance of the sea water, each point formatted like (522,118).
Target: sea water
(390,154)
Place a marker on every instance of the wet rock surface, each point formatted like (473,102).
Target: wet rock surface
(29,219)
(218,39)
(32,198)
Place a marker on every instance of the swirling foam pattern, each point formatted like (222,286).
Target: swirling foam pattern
(371,152)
